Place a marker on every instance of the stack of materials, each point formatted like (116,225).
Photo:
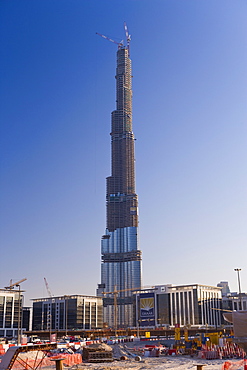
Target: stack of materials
(97,353)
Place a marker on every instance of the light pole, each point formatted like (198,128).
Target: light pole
(66,314)
(19,315)
(49,314)
(239,287)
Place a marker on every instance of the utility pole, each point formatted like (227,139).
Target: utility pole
(239,287)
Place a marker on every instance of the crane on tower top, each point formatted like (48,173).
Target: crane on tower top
(128,37)
(121,43)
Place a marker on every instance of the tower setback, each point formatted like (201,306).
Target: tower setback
(121,257)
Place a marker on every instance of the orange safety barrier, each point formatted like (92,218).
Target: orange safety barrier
(232,365)
(29,363)
(70,360)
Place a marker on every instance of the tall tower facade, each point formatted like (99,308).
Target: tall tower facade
(121,257)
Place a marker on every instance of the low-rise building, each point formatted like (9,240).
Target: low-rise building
(67,312)
(232,301)
(235,302)
(192,305)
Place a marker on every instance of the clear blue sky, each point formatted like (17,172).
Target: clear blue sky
(189,118)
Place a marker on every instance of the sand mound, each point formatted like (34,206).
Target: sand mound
(100,347)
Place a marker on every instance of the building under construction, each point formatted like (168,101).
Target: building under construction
(121,257)
(10,312)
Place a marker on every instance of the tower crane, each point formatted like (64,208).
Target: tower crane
(47,288)
(15,284)
(128,37)
(49,312)
(115,293)
(120,44)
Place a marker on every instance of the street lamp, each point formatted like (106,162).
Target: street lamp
(66,314)
(239,287)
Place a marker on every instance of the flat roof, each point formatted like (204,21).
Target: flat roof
(72,296)
(170,286)
(10,290)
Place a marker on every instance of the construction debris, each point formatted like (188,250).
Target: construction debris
(97,353)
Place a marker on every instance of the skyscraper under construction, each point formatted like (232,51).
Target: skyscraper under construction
(121,257)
